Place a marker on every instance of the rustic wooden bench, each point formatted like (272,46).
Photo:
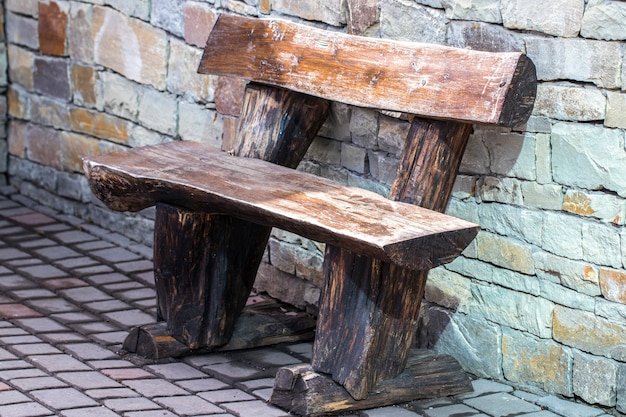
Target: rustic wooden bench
(215,209)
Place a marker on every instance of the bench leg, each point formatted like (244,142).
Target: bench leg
(369,309)
(205,264)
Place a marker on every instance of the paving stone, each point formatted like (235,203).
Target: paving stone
(57,363)
(57,252)
(127,374)
(9,375)
(36,383)
(63,283)
(38,243)
(74,263)
(111,338)
(52,305)
(34,349)
(188,405)
(90,411)
(30,409)
(16,340)
(88,380)
(225,396)
(95,269)
(89,351)
(85,294)
(15,281)
(131,404)
(568,408)
(12,397)
(73,317)
(107,393)
(483,387)
(267,357)
(389,412)
(43,271)
(130,318)
(154,387)
(94,327)
(63,398)
(176,371)
(11,311)
(254,409)
(137,294)
(64,337)
(258,383)
(41,325)
(115,254)
(103,279)
(29,294)
(200,385)
(110,363)
(109,305)
(14,364)
(501,404)
(75,236)
(12,253)
(160,413)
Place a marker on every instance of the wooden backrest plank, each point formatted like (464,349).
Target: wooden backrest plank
(422,79)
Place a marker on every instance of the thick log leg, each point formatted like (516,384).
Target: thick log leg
(368,311)
(303,391)
(205,264)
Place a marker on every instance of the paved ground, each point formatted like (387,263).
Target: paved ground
(69,292)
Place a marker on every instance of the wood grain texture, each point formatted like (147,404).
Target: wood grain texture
(303,391)
(422,79)
(369,308)
(190,175)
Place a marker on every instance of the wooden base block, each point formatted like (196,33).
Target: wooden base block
(262,324)
(302,391)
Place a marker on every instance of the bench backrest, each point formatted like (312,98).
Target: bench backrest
(431,81)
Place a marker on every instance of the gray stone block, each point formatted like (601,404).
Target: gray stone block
(477,10)
(407,21)
(604,20)
(595,379)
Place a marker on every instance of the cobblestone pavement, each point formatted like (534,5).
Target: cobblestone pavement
(70,291)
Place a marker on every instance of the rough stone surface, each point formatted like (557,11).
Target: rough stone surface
(475,343)
(559,17)
(407,21)
(158,111)
(579,60)
(22,30)
(182,76)
(505,252)
(135,8)
(511,221)
(130,47)
(168,14)
(80,43)
(543,196)
(570,102)
(595,379)
(579,276)
(83,85)
(601,244)
(483,37)
(50,112)
(589,157)
(562,235)
(536,362)
(199,124)
(604,19)
(511,308)
(392,134)
(198,21)
(605,207)
(479,10)
(501,190)
(51,77)
(589,333)
(613,285)
(328,11)
(616,109)
(361,15)
(510,154)
(53,27)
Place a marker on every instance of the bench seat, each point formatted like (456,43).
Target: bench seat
(199,177)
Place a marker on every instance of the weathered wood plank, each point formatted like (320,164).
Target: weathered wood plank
(427,80)
(190,175)
(369,308)
(261,324)
(205,264)
(302,391)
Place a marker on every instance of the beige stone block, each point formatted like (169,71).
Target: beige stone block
(555,17)
(328,11)
(129,46)
(590,333)
(199,19)
(569,102)
(613,285)
(505,252)
(75,147)
(83,80)
(101,125)
(79,37)
(18,102)
(605,207)
(17,138)
(21,64)
(616,109)
(538,362)
(182,75)
(53,27)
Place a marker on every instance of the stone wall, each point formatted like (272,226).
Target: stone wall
(538,300)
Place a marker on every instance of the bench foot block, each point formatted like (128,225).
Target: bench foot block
(302,391)
(262,324)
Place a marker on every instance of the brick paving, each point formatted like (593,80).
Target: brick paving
(70,292)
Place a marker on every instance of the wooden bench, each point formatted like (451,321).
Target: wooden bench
(215,210)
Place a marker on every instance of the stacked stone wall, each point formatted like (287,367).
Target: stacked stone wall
(538,300)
